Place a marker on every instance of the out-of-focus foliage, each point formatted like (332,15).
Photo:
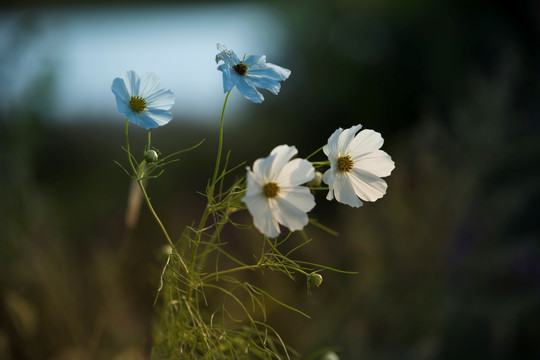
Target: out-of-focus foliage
(448,260)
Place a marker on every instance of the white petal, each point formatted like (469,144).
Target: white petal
(378,163)
(288,214)
(259,208)
(365,142)
(345,139)
(253,186)
(262,169)
(328,178)
(344,191)
(332,146)
(282,154)
(367,186)
(299,196)
(295,172)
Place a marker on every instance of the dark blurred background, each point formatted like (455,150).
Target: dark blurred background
(448,261)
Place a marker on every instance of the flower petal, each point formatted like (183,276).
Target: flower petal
(271,71)
(345,139)
(133,83)
(249,91)
(282,154)
(365,142)
(299,196)
(162,99)
(344,191)
(155,118)
(377,162)
(367,186)
(122,96)
(253,187)
(288,214)
(295,172)
(263,219)
(149,83)
(264,83)
(255,61)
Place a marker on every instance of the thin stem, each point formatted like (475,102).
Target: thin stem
(211,188)
(220,146)
(128,151)
(147,199)
(149,140)
(316,151)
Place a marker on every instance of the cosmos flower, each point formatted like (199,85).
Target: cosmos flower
(141,102)
(249,74)
(356,166)
(274,195)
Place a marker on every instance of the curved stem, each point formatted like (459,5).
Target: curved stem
(154,214)
(220,146)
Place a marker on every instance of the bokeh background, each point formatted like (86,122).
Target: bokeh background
(448,261)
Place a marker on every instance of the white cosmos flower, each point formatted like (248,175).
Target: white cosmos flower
(274,195)
(357,166)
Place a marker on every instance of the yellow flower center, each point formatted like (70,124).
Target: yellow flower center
(240,68)
(345,164)
(137,104)
(271,190)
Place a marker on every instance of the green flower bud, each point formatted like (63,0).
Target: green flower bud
(314,279)
(150,156)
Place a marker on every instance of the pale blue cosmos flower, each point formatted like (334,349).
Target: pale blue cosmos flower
(249,74)
(141,102)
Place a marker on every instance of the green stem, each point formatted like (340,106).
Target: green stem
(149,140)
(210,194)
(127,149)
(149,204)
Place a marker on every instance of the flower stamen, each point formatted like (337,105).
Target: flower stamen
(271,190)
(240,68)
(137,104)
(345,164)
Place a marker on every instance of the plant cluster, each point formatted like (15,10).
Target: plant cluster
(209,310)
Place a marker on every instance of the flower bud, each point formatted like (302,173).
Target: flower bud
(314,279)
(330,355)
(150,156)
(316,181)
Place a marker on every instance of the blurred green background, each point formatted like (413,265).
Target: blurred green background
(448,261)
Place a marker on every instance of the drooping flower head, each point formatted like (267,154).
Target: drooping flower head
(250,73)
(274,195)
(140,100)
(356,166)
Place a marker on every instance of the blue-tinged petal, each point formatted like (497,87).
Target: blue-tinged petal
(255,61)
(158,117)
(121,95)
(133,83)
(227,56)
(264,83)
(229,77)
(249,91)
(149,83)
(162,99)
(272,71)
